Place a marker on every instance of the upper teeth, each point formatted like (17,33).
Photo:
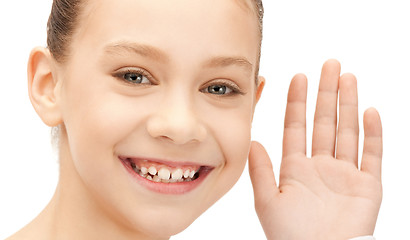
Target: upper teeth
(164,174)
(177,174)
(187,173)
(144,170)
(152,171)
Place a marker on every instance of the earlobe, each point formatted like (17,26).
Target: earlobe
(42,87)
(261,85)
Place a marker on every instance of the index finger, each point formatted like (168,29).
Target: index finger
(294,133)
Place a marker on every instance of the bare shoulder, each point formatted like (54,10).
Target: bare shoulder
(25,235)
(29,232)
(17,236)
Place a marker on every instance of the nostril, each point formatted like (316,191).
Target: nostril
(178,140)
(165,138)
(181,129)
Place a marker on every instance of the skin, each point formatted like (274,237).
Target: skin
(325,196)
(173,118)
(169,117)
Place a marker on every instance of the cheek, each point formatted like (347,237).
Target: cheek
(232,131)
(91,122)
(236,149)
(235,140)
(96,120)
(95,114)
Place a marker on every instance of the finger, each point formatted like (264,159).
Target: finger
(348,129)
(373,143)
(261,173)
(294,134)
(324,129)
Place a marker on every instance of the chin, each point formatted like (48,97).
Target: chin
(162,225)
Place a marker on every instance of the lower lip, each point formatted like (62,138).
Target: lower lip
(166,188)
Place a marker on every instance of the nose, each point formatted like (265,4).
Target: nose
(176,121)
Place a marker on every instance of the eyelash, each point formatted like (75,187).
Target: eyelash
(223,83)
(120,74)
(235,89)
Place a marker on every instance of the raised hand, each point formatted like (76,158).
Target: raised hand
(326,196)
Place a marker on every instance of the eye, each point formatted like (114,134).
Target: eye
(219,89)
(222,88)
(136,78)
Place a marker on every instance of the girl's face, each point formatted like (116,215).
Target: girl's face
(164,87)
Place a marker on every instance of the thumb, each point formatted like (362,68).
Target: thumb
(262,176)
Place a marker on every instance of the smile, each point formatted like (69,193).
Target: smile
(166,177)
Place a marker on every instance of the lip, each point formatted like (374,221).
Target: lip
(167,188)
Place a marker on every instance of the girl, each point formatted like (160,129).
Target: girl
(153,102)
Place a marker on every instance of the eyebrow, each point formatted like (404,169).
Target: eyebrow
(229,61)
(125,47)
(140,49)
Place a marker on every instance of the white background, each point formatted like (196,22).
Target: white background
(370,37)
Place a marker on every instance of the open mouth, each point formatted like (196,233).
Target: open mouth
(161,172)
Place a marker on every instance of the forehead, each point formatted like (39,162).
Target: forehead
(211,25)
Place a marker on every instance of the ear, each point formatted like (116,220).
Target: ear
(42,87)
(261,85)
(259,89)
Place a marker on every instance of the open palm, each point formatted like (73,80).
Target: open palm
(326,196)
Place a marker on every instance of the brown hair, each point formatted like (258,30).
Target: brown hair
(64,18)
(61,25)
(258,5)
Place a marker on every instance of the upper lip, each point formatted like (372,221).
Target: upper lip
(174,164)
